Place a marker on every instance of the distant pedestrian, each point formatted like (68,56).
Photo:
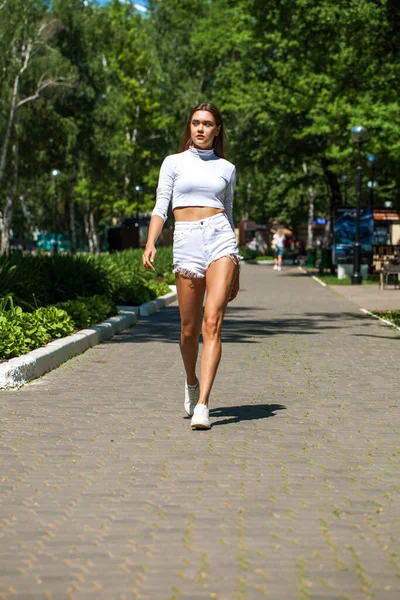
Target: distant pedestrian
(253,244)
(278,245)
(200,182)
(300,251)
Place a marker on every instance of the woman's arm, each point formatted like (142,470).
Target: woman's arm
(228,202)
(165,188)
(160,212)
(149,254)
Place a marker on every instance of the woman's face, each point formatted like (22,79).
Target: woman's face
(203,129)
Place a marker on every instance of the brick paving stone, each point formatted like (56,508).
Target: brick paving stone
(370,296)
(106,493)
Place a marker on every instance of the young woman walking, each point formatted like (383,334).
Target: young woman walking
(200,182)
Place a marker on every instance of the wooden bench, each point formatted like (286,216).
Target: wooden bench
(391,267)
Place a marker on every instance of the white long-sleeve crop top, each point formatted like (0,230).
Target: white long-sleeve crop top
(195,178)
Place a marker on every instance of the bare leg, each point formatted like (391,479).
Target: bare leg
(190,297)
(219,280)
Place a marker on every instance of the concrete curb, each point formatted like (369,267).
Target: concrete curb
(371,314)
(319,280)
(153,306)
(18,371)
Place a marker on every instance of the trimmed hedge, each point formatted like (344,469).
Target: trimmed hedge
(40,280)
(82,289)
(85,312)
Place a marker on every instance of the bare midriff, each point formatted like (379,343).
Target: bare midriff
(195,213)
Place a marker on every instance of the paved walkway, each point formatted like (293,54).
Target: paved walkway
(106,493)
(370,296)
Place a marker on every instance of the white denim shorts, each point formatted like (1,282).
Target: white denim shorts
(199,243)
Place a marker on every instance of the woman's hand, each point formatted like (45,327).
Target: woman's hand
(148,257)
(235,288)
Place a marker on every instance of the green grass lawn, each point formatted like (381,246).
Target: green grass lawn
(333,280)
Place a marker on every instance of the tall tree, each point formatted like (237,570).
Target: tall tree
(30,66)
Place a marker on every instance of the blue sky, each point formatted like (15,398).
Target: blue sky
(139,3)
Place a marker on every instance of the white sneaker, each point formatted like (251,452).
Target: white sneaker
(279,268)
(200,418)
(275,267)
(192,393)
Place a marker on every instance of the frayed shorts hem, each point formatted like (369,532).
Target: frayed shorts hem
(188,274)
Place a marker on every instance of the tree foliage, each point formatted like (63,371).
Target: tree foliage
(102,94)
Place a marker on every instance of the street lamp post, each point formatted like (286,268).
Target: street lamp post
(359,133)
(371,161)
(55,174)
(138,189)
(310,220)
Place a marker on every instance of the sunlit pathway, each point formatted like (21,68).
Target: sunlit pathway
(293,494)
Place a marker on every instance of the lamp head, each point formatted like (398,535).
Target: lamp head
(359,133)
(55,173)
(138,188)
(343,177)
(371,158)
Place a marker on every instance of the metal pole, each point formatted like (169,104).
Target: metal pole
(310,240)
(371,190)
(55,245)
(357,277)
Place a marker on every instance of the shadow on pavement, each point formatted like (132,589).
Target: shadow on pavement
(238,328)
(247,412)
(382,337)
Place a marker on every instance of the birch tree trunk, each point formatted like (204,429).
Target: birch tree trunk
(27,52)
(6,215)
(5,220)
(90,231)
(87,231)
(27,214)
(25,57)
(7,137)
(95,237)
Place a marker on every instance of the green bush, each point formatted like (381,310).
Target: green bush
(248,254)
(84,290)
(130,284)
(170,278)
(164,261)
(390,315)
(85,312)
(12,337)
(40,280)
(264,257)
(21,331)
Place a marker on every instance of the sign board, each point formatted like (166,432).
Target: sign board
(345,233)
(46,241)
(386,215)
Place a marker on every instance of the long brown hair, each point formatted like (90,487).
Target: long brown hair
(220,141)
